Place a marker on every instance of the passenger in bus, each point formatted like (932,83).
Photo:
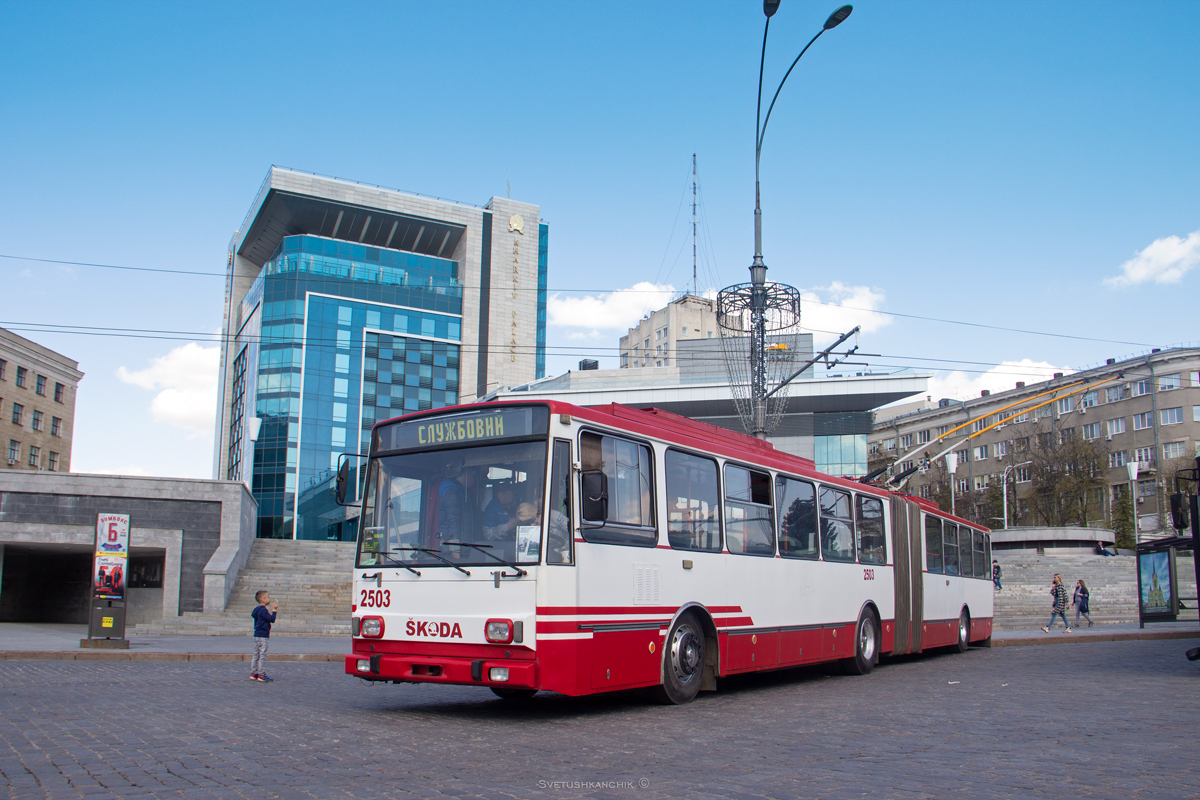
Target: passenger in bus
(450,503)
(500,514)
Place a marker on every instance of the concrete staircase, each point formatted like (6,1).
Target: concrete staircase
(1025,600)
(310,581)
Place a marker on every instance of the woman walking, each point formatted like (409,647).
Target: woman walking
(1080,601)
(1059,593)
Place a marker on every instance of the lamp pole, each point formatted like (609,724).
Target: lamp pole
(758,269)
(1004,487)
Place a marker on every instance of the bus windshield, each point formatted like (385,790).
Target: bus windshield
(468,506)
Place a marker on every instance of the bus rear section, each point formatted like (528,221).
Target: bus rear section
(456,517)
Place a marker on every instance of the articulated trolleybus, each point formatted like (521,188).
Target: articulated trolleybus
(531,546)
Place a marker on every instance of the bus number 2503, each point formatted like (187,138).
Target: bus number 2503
(868,574)
(376,598)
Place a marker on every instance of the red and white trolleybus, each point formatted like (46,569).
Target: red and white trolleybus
(540,545)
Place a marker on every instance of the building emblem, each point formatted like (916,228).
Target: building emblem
(515,223)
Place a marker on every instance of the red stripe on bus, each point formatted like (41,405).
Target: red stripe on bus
(592,610)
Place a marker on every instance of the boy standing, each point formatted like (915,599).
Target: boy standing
(262,635)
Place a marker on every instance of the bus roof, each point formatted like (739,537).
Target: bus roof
(677,429)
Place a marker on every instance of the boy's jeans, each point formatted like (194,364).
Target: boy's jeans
(259,662)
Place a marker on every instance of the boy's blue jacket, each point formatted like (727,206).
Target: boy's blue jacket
(262,622)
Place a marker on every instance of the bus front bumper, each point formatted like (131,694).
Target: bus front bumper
(426,669)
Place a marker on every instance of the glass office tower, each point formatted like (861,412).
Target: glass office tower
(349,335)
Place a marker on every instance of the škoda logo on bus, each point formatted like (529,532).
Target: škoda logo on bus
(433,630)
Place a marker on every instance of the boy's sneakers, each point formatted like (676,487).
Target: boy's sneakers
(253,676)
(264,678)
(1068,630)
(1047,630)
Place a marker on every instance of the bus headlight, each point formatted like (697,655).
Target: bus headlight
(499,631)
(372,627)
(364,665)
(498,674)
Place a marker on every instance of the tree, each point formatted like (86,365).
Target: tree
(1122,519)
(1069,477)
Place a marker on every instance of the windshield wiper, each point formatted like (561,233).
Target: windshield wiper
(388,555)
(483,548)
(438,556)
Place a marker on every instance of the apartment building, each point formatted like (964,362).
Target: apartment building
(1143,410)
(37,404)
(655,340)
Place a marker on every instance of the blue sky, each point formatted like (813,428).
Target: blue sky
(984,162)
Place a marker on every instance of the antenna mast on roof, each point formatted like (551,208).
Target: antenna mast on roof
(694,223)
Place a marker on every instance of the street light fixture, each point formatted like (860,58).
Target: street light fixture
(777,302)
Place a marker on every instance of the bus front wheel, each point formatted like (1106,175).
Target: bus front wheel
(683,661)
(964,631)
(866,645)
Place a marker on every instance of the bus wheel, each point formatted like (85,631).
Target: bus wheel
(683,670)
(866,646)
(505,693)
(964,631)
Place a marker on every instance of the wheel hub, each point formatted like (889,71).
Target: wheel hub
(685,653)
(866,640)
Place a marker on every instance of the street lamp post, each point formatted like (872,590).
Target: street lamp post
(758,269)
(1004,487)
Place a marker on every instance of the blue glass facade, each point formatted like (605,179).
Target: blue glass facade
(543,264)
(345,335)
(844,454)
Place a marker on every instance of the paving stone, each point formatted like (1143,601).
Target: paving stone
(1104,719)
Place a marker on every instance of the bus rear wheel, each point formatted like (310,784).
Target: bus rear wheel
(964,631)
(866,645)
(505,693)
(683,661)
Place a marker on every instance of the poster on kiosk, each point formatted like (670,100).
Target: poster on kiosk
(112,553)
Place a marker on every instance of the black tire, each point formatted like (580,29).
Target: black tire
(866,645)
(504,693)
(684,654)
(964,631)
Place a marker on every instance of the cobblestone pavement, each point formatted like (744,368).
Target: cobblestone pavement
(1113,719)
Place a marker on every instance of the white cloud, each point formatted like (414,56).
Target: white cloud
(829,311)
(186,381)
(612,311)
(959,385)
(1164,260)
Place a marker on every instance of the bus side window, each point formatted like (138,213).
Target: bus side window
(933,543)
(950,547)
(966,565)
(749,528)
(837,525)
(558,530)
(797,518)
(871,547)
(987,556)
(981,564)
(692,502)
(630,503)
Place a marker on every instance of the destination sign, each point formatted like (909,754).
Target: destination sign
(475,427)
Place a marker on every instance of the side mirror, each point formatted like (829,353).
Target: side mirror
(1179,516)
(343,480)
(595,496)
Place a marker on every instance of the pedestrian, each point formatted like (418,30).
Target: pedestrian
(262,635)
(1080,601)
(1059,593)
(996,574)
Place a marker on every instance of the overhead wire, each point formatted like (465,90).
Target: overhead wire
(899,314)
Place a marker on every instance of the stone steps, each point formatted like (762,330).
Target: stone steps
(311,581)
(1024,602)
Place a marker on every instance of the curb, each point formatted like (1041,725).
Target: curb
(1063,638)
(125,655)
